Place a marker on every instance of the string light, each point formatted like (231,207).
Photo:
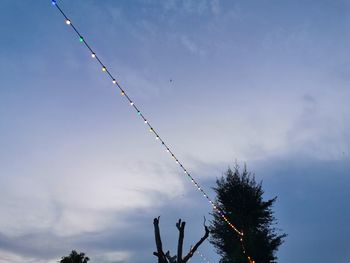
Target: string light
(53,2)
(203,257)
(122,92)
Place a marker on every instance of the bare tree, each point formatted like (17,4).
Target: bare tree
(166,258)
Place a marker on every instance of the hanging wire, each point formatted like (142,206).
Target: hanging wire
(151,129)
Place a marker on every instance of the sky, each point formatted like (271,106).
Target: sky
(264,83)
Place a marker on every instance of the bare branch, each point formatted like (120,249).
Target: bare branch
(181,227)
(170,258)
(166,258)
(159,253)
(178,224)
(194,249)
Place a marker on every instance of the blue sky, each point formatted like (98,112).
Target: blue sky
(263,82)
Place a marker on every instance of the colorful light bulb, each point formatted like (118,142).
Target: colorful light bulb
(68,22)
(104,69)
(81,39)
(53,2)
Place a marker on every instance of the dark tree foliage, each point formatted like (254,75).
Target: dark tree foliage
(74,257)
(241,199)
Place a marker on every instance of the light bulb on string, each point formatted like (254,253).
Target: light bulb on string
(131,104)
(104,69)
(93,55)
(68,22)
(122,93)
(53,2)
(114,81)
(81,39)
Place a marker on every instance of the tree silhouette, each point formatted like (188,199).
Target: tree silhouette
(74,257)
(165,257)
(241,200)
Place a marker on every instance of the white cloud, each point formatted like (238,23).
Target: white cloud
(72,195)
(113,257)
(215,7)
(9,257)
(191,46)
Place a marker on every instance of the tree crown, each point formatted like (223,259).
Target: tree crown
(240,197)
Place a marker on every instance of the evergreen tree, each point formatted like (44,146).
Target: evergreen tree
(74,257)
(241,200)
